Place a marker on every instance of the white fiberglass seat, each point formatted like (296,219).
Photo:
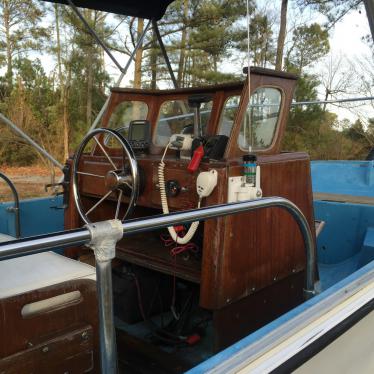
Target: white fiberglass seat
(29,273)
(47,300)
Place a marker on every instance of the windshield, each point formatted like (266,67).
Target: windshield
(177,117)
(260,121)
(228,115)
(123,114)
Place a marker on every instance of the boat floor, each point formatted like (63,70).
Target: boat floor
(136,343)
(331,274)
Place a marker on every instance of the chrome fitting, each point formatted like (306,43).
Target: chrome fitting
(104,237)
(308,294)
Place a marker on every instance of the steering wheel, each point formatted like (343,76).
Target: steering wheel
(122,178)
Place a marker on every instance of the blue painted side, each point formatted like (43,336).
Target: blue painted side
(343,177)
(252,338)
(38,216)
(367,250)
(344,231)
(345,246)
(340,246)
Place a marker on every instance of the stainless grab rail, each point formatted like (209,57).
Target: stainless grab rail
(44,243)
(27,246)
(15,209)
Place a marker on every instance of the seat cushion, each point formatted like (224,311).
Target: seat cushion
(28,273)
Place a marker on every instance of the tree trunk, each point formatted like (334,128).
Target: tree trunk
(193,75)
(138,57)
(65,119)
(281,36)
(186,67)
(100,25)
(89,87)
(182,56)
(153,61)
(9,62)
(327,93)
(63,91)
(89,73)
(58,51)
(215,66)
(102,83)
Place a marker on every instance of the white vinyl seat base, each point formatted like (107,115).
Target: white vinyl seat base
(29,273)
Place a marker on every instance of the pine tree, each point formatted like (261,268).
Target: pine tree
(20,31)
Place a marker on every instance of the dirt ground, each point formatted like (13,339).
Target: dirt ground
(30,181)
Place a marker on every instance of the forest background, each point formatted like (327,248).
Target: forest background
(55,78)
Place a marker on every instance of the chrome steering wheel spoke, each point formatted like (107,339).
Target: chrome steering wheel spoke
(124,179)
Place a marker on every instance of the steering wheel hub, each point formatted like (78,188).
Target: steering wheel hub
(116,179)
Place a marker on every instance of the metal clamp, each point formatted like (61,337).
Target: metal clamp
(104,237)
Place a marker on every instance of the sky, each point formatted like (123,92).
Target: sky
(345,42)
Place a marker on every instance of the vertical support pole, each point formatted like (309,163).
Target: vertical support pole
(164,53)
(108,347)
(104,237)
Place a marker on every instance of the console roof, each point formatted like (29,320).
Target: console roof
(150,9)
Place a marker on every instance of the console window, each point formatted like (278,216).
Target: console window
(177,117)
(123,114)
(261,119)
(228,115)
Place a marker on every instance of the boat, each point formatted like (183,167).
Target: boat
(186,241)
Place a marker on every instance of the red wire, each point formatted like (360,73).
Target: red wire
(184,248)
(168,241)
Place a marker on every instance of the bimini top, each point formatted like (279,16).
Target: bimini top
(150,9)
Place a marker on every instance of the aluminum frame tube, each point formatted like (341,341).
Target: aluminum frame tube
(369,7)
(93,33)
(15,209)
(333,101)
(123,73)
(164,53)
(43,243)
(81,236)
(16,129)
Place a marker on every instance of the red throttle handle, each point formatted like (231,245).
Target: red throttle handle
(196,159)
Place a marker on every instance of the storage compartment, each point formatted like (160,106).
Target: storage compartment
(152,252)
(139,293)
(68,351)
